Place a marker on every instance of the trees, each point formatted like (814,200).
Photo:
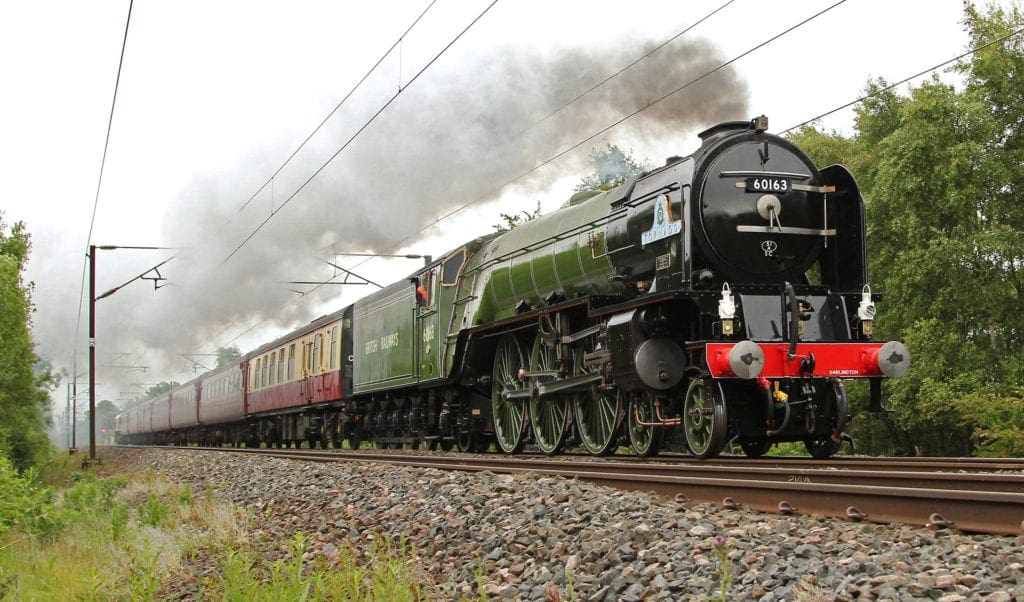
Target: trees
(511,220)
(228,355)
(23,396)
(941,172)
(612,166)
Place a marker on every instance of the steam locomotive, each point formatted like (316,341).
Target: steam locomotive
(721,298)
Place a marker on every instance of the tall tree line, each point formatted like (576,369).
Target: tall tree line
(942,172)
(24,396)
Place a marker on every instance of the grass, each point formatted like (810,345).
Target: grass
(135,537)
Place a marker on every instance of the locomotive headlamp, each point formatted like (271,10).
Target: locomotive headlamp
(866,312)
(727,310)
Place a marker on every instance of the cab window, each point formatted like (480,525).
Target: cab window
(451,267)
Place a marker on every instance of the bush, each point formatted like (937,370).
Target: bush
(21,501)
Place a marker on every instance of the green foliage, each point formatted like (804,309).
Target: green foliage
(154,512)
(511,220)
(23,395)
(612,166)
(159,389)
(21,500)
(387,576)
(725,577)
(940,172)
(788,448)
(228,355)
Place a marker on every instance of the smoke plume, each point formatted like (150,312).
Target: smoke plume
(452,138)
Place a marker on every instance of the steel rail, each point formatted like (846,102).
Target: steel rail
(840,462)
(984,503)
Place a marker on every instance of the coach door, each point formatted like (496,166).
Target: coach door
(427,330)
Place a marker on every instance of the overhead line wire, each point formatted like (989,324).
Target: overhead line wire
(338,106)
(905,80)
(99,185)
(360,131)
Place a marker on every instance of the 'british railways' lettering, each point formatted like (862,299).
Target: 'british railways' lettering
(385,342)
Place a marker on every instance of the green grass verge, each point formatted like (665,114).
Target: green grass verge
(138,537)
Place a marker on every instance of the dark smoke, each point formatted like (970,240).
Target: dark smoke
(452,138)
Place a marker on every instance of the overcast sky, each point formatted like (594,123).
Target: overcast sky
(214,96)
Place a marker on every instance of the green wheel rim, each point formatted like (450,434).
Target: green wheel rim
(598,415)
(549,417)
(509,416)
(645,440)
(704,422)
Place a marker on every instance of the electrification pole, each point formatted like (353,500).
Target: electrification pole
(92,353)
(92,328)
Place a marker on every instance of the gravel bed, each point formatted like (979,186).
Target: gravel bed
(531,537)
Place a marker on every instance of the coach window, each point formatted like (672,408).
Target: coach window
(291,361)
(264,379)
(318,347)
(280,366)
(334,348)
(273,368)
(256,375)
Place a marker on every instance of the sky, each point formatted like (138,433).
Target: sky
(215,96)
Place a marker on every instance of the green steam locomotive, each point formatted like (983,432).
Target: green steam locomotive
(721,299)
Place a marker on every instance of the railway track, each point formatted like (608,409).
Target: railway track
(962,493)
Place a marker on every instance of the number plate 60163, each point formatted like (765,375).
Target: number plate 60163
(767,184)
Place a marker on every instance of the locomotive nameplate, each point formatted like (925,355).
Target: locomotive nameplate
(663,225)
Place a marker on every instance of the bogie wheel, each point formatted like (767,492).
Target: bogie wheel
(509,415)
(645,440)
(483,444)
(824,447)
(755,449)
(704,418)
(598,414)
(549,417)
(447,445)
(821,449)
(467,442)
(354,440)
